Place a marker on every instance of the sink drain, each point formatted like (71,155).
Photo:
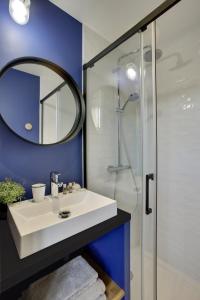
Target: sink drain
(64,214)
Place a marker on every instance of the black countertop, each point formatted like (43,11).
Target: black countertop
(14,270)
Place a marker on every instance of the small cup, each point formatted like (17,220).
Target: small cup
(38,191)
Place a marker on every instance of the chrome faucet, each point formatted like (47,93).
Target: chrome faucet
(55,184)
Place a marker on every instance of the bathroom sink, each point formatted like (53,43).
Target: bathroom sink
(35,226)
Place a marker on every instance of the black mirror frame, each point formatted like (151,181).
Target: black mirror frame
(80,103)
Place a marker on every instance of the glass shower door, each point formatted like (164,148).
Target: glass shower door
(121,146)
(114,139)
(149,289)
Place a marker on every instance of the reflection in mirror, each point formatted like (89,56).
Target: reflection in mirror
(38,104)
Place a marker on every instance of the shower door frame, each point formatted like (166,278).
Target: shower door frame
(138,28)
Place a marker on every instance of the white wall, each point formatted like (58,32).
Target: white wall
(93,43)
(179,154)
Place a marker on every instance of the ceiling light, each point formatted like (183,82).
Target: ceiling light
(20,10)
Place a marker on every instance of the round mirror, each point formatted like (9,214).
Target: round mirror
(40,102)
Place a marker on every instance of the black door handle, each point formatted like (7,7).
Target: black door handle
(148,177)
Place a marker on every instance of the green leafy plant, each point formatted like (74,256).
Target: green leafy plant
(10,191)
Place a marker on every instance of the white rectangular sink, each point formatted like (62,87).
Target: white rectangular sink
(35,226)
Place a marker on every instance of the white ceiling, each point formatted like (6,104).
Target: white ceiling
(109,18)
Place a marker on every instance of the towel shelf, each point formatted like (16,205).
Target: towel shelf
(113,291)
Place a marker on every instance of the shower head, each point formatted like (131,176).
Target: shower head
(148,54)
(132,98)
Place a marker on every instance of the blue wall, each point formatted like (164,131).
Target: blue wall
(54,35)
(20,96)
(112,252)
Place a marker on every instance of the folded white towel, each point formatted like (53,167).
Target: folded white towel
(64,282)
(91,292)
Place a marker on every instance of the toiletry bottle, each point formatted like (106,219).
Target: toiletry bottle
(65,190)
(69,187)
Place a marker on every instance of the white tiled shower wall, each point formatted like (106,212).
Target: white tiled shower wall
(102,140)
(102,128)
(179,152)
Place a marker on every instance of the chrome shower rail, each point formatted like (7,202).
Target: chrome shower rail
(141,26)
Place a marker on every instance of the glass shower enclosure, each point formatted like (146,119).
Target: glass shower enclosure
(142,146)
(115,100)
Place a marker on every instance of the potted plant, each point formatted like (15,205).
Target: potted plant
(10,192)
